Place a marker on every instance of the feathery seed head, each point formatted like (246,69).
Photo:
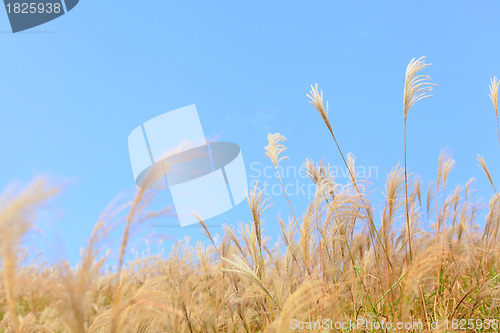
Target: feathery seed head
(257,206)
(315,172)
(274,148)
(445,165)
(316,97)
(482,164)
(417,87)
(494,93)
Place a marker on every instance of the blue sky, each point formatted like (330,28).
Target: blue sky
(74,88)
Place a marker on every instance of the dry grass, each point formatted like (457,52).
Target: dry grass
(334,261)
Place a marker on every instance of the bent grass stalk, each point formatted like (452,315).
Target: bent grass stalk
(317,101)
(484,167)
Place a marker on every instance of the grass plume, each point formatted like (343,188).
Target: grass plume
(494,83)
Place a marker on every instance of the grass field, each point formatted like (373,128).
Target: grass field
(423,261)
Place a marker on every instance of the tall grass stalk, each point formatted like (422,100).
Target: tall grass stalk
(416,88)
(273,151)
(316,98)
(494,83)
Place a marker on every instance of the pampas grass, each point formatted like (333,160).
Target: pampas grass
(494,83)
(17,212)
(273,151)
(417,87)
(344,258)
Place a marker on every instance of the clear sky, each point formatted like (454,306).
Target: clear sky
(73,89)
